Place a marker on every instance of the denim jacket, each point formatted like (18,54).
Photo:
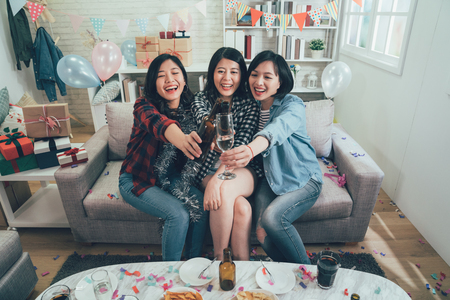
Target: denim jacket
(290,160)
(45,59)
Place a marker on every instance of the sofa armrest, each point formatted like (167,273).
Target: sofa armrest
(74,183)
(363,175)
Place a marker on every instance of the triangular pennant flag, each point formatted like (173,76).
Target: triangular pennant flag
(164,20)
(16,5)
(201,6)
(123,26)
(269,19)
(242,10)
(230,5)
(35,10)
(300,19)
(359,2)
(98,24)
(332,9)
(256,14)
(316,15)
(142,24)
(284,21)
(183,14)
(76,21)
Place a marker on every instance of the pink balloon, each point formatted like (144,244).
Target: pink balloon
(178,24)
(106,59)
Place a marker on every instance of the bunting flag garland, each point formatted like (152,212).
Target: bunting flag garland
(123,26)
(230,5)
(332,9)
(269,19)
(142,24)
(76,22)
(300,19)
(35,10)
(316,15)
(201,6)
(97,23)
(359,2)
(256,14)
(16,5)
(284,21)
(242,10)
(183,14)
(164,20)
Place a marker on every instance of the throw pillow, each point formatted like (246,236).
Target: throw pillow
(319,125)
(4,104)
(120,122)
(107,93)
(14,121)
(26,100)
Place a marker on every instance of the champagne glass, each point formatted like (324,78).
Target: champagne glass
(225,138)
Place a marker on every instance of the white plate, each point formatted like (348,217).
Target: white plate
(284,279)
(190,270)
(268,293)
(182,290)
(85,291)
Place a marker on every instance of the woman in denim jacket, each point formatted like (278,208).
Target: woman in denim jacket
(293,180)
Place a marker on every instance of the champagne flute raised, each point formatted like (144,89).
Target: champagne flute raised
(225,138)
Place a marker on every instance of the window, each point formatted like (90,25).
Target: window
(378,32)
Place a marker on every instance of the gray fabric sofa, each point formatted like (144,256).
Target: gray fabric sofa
(339,215)
(17,275)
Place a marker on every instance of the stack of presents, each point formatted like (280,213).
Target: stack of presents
(43,143)
(175,43)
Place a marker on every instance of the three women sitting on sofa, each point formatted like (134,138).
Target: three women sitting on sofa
(272,158)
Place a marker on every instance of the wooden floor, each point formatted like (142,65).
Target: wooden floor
(387,233)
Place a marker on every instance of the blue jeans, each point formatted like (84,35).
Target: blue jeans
(275,215)
(177,227)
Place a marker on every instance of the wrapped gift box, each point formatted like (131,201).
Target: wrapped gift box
(182,48)
(166,35)
(17,165)
(182,34)
(48,120)
(15,145)
(147,44)
(72,157)
(47,149)
(144,59)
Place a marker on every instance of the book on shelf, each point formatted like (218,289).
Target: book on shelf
(288,6)
(229,38)
(292,47)
(308,18)
(283,47)
(264,9)
(288,46)
(125,89)
(258,23)
(248,45)
(253,47)
(239,41)
(132,87)
(297,49)
(302,49)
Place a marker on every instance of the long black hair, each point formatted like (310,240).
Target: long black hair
(281,69)
(233,55)
(150,91)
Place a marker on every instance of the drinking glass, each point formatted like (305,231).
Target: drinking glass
(57,292)
(225,138)
(328,263)
(102,285)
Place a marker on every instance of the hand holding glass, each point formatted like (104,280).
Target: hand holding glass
(225,138)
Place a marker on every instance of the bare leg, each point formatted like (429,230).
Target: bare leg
(242,225)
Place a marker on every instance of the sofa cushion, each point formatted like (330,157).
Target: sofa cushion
(10,250)
(319,123)
(334,202)
(120,122)
(107,93)
(99,206)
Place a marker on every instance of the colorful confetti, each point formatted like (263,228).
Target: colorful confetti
(210,287)
(378,290)
(45,273)
(303,285)
(135,289)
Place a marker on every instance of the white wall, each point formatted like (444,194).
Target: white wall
(402,122)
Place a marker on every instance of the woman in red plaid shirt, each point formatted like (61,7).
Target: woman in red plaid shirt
(163,137)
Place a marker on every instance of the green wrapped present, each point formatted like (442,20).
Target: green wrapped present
(17,165)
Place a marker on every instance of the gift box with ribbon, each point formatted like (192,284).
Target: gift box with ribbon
(165,35)
(147,44)
(47,120)
(182,34)
(72,157)
(47,148)
(17,165)
(182,48)
(15,145)
(144,59)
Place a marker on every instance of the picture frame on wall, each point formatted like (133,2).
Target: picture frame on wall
(325,21)
(246,20)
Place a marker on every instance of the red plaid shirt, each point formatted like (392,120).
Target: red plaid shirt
(147,136)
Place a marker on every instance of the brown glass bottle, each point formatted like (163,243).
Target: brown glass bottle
(354,297)
(227,271)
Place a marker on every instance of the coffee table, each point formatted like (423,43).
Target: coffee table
(362,283)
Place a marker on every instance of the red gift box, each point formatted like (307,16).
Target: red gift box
(166,35)
(72,157)
(15,145)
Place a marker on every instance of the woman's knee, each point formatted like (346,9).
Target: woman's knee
(242,208)
(261,235)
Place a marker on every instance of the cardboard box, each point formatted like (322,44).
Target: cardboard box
(181,47)
(72,157)
(49,120)
(46,150)
(147,44)
(15,145)
(144,59)
(17,165)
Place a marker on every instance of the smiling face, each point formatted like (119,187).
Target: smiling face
(170,83)
(227,77)
(264,83)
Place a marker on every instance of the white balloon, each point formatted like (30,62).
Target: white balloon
(335,78)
